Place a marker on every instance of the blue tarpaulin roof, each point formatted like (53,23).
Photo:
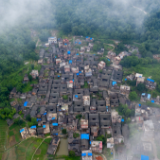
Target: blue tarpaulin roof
(151,80)
(77,54)
(77,74)
(84,136)
(65,44)
(125,79)
(55,57)
(38,119)
(25,104)
(32,127)
(73,80)
(122,120)
(89,154)
(76,96)
(87,37)
(79,42)
(21,130)
(44,126)
(55,134)
(83,154)
(139,105)
(152,101)
(45,113)
(80,72)
(148,96)
(109,60)
(90,38)
(69,52)
(70,61)
(143,157)
(58,76)
(54,124)
(114,83)
(53,118)
(143,94)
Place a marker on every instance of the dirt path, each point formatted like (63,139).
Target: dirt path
(37,43)
(39,146)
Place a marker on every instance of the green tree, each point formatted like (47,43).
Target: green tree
(64,131)
(133,96)
(72,154)
(141,87)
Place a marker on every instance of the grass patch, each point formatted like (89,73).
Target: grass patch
(48,134)
(3,136)
(41,152)
(11,133)
(48,140)
(86,85)
(76,135)
(108,47)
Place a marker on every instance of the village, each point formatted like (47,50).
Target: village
(77,97)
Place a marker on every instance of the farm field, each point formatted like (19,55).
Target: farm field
(3,136)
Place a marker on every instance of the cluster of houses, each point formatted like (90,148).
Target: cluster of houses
(77,92)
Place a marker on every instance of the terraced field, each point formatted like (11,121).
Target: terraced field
(3,136)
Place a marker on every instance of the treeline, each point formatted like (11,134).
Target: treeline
(16,46)
(133,61)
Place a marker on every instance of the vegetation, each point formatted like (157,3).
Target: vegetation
(7,113)
(119,48)
(65,97)
(78,116)
(86,85)
(76,135)
(32,122)
(64,131)
(133,96)
(125,111)
(101,138)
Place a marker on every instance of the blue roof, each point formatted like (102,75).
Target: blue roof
(77,74)
(80,72)
(89,154)
(70,61)
(25,104)
(125,79)
(32,127)
(143,157)
(55,134)
(87,37)
(109,60)
(90,38)
(111,153)
(152,101)
(151,80)
(44,126)
(122,120)
(73,80)
(79,42)
(84,136)
(143,94)
(54,124)
(45,113)
(83,154)
(76,96)
(77,53)
(38,119)
(148,96)
(21,130)
(58,76)
(55,57)
(53,118)
(114,83)
(139,105)
(69,52)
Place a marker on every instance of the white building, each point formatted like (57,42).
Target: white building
(52,40)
